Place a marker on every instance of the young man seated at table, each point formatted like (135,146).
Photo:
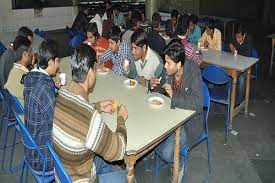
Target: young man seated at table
(82,140)
(171,25)
(136,19)
(212,37)
(16,77)
(119,19)
(147,62)
(183,84)
(241,44)
(156,41)
(6,64)
(118,51)
(97,42)
(39,104)
(194,30)
(190,51)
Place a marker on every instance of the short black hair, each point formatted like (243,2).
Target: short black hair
(109,13)
(183,19)
(20,44)
(116,7)
(176,52)
(24,31)
(174,13)
(92,27)
(241,29)
(211,24)
(114,34)
(48,50)
(82,60)
(182,29)
(156,20)
(139,38)
(193,18)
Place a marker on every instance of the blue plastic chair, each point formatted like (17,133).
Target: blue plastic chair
(29,143)
(60,171)
(221,92)
(40,33)
(185,150)
(70,32)
(15,106)
(2,48)
(254,76)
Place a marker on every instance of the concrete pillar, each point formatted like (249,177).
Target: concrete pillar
(151,6)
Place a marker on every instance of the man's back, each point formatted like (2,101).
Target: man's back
(39,104)
(6,64)
(79,133)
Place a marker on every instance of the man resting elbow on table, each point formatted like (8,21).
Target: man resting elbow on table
(148,64)
(82,140)
(183,84)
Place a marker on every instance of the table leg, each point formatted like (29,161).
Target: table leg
(130,162)
(271,59)
(247,90)
(233,96)
(176,156)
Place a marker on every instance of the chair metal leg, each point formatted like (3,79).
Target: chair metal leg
(15,168)
(227,123)
(208,151)
(4,144)
(22,172)
(184,168)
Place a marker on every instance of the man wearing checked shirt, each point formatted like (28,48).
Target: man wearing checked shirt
(118,51)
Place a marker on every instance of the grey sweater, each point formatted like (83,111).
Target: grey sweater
(190,97)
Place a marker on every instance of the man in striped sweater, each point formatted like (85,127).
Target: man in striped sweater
(81,138)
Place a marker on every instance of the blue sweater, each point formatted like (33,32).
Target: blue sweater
(39,105)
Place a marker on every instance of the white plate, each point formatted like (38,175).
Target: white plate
(127,83)
(166,37)
(152,101)
(106,71)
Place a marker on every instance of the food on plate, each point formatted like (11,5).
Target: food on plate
(156,102)
(132,82)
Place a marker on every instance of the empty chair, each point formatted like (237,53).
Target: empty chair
(8,122)
(221,91)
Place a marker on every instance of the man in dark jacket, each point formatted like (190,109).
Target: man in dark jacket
(171,24)
(39,103)
(183,83)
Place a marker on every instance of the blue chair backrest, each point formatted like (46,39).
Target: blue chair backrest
(69,32)
(254,53)
(40,33)
(216,75)
(59,169)
(4,103)
(2,48)
(16,106)
(206,96)
(77,39)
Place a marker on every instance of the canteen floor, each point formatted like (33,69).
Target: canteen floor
(247,157)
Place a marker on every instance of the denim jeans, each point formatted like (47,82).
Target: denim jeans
(241,84)
(107,173)
(166,149)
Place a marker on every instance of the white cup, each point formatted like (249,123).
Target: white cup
(89,43)
(199,46)
(126,62)
(62,78)
(235,52)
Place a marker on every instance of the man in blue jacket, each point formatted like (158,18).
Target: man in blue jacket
(39,103)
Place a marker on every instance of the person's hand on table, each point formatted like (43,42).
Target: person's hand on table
(142,80)
(125,68)
(58,83)
(107,106)
(168,89)
(123,112)
(154,82)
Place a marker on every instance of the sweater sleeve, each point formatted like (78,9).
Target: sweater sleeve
(101,140)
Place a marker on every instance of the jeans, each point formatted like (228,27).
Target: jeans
(166,149)
(107,173)
(241,84)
